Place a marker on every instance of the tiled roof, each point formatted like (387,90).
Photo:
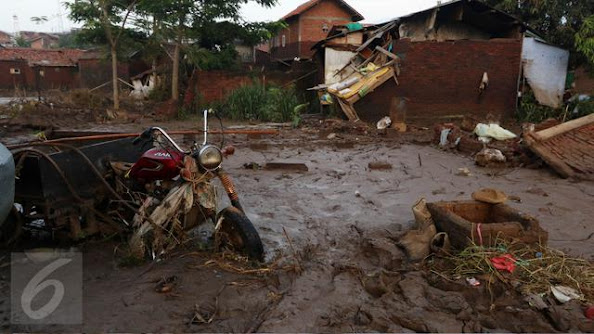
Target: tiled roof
(309,4)
(43,57)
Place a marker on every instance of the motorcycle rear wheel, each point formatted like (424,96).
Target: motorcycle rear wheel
(238,232)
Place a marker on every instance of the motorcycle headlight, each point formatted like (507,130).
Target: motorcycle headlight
(210,157)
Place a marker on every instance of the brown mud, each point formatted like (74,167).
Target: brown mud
(343,220)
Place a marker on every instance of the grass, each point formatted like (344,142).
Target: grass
(257,102)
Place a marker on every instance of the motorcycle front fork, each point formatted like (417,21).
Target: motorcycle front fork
(229,188)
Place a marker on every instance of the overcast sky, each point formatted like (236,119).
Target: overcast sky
(374,11)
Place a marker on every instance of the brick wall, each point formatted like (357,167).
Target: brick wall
(328,13)
(9,81)
(442,79)
(216,85)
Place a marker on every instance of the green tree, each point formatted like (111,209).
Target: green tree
(557,20)
(105,19)
(21,42)
(39,19)
(182,21)
(584,39)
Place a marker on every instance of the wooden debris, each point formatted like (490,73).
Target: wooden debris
(568,148)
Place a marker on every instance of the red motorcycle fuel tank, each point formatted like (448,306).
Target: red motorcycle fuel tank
(157,164)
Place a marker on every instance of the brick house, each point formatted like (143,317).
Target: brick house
(43,69)
(444,53)
(307,25)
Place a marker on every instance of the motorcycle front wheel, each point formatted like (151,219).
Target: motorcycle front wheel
(237,232)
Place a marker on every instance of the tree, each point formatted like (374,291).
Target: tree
(39,19)
(108,19)
(181,22)
(21,42)
(557,20)
(584,39)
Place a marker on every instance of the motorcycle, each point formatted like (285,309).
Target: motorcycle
(175,187)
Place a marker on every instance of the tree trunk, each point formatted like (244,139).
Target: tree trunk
(175,74)
(114,74)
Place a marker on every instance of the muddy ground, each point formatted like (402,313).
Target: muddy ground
(342,270)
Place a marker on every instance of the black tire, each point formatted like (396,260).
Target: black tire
(238,232)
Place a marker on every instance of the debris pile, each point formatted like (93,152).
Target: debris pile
(371,66)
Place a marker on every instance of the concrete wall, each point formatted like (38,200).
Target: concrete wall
(545,68)
(53,77)
(442,79)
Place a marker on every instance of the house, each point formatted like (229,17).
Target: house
(5,39)
(40,40)
(45,41)
(307,25)
(458,58)
(38,69)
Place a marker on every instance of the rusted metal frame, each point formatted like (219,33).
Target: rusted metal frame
(69,185)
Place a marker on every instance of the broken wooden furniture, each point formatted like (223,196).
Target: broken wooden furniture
(568,148)
(468,222)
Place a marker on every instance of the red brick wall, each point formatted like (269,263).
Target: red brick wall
(7,80)
(442,79)
(312,21)
(309,26)
(216,85)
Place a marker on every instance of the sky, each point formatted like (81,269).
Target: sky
(374,11)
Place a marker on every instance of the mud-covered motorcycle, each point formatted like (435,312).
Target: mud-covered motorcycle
(177,191)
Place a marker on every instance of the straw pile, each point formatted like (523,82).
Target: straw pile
(537,268)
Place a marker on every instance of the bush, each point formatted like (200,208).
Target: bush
(531,111)
(257,102)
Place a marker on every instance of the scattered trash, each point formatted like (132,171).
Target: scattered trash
(564,294)
(464,171)
(331,136)
(379,165)
(488,157)
(589,313)
(537,191)
(417,242)
(357,193)
(443,140)
(472,281)
(166,285)
(494,131)
(384,123)
(536,301)
(505,262)
(293,166)
(440,244)
(252,165)
(487,195)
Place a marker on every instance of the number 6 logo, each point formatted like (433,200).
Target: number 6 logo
(37,284)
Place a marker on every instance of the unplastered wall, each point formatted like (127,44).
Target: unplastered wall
(441,79)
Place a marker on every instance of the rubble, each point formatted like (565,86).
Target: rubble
(568,148)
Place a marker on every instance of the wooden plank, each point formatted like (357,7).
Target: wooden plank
(562,128)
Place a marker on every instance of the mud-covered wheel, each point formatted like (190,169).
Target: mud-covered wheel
(237,232)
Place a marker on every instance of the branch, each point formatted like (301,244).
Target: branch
(128,11)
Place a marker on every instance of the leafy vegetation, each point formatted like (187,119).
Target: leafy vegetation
(531,111)
(584,39)
(557,20)
(257,102)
